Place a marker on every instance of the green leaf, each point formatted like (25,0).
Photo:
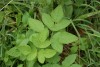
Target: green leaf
(14,52)
(69,60)
(49,2)
(47,20)
(60,38)
(25,18)
(44,44)
(20,39)
(74,49)
(34,37)
(84,44)
(55,42)
(30,63)
(79,2)
(55,37)
(9,63)
(5,59)
(1,16)
(35,40)
(49,53)
(51,65)
(29,33)
(41,57)
(54,59)
(57,14)
(32,55)
(22,57)
(24,42)
(37,65)
(20,65)
(69,11)
(75,65)
(57,45)
(43,35)
(68,8)
(18,19)
(24,49)
(35,25)
(67,38)
(61,25)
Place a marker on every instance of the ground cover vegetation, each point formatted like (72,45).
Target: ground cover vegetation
(49,33)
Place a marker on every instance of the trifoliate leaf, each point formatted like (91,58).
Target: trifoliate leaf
(69,60)
(41,57)
(60,38)
(49,53)
(57,14)
(47,20)
(35,25)
(14,52)
(24,49)
(35,40)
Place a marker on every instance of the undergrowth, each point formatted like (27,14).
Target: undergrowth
(49,33)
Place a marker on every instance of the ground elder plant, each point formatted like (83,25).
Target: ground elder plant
(43,40)
(49,33)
